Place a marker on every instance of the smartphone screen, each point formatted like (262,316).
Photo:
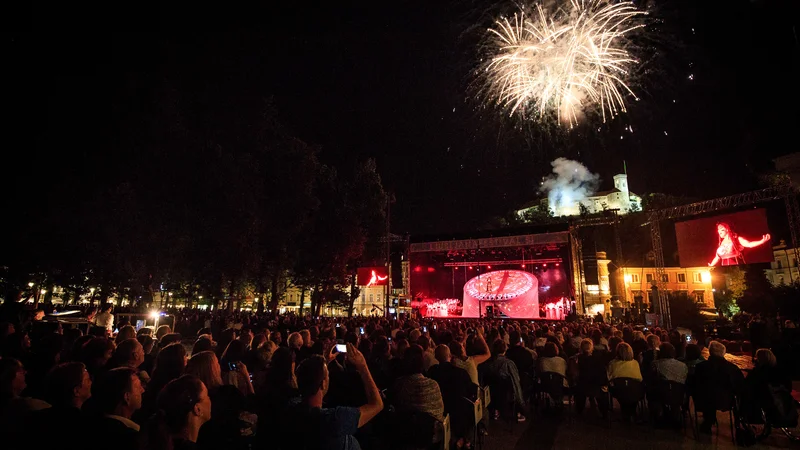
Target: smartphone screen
(424,329)
(362,330)
(341,348)
(689,338)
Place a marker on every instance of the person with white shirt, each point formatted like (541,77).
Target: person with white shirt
(105,319)
(118,394)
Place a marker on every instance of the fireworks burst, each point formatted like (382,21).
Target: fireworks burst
(566,63)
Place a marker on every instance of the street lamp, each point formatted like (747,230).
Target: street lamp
(43,291)
(30,285)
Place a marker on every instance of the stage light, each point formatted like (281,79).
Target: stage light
(418,269)
(557,264)
(523,266)
(545,264)
(470,267)
(431,269)
(488,267)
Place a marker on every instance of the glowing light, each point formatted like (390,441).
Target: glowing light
(418,269)
(706,277)
(374,279)
(30,285)
(523,266)
(470,267)
(488,267)
(154,314)
(430,269)
(563,61)
(43,291)
(627,278)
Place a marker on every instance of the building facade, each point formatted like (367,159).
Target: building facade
(783,268)
(693,281)
(637,283)
(370,302)
(620,198)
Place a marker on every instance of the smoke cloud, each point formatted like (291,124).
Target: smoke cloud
(569,183)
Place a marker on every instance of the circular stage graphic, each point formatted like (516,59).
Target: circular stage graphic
(513,293)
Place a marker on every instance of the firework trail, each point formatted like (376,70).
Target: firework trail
(567,62)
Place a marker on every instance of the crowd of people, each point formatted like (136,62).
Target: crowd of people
(258,381)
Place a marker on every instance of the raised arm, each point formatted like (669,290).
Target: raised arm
(374,402)
(751,244)
(714,261)
(485,353)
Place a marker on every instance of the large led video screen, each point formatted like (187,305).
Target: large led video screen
(372,276)
(459,279)
(724,240)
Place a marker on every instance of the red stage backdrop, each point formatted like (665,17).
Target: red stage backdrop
(519,276)
(725,240)
(372,276)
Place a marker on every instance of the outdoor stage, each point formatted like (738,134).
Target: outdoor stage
(523,276)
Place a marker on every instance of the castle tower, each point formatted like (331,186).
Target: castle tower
(621,184)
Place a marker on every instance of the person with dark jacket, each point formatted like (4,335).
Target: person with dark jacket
(119,394)
(456,387)
(769,389)
(587,373)
(67,387)
(716,384)
(522,357)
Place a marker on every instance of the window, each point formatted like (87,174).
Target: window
(700,295)
(370,298)
(697,278)
(681,278)
(635,277)
(649,277)
(780,264)
(665,278)
(379,299)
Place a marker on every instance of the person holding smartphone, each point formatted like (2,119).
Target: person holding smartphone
(333,427)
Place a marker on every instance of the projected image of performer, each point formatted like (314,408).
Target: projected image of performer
(731,246)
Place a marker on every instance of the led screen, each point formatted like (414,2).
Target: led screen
(724,240)
(372,276)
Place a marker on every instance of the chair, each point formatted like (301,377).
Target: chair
(486,396)
(445,433)
(504,397)
(721,401)
(552,385)
(477,415)
(627,391)
(672,396)
(426,429)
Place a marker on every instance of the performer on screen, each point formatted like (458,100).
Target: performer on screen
(731,246)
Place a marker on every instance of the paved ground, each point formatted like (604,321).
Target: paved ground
(590,432)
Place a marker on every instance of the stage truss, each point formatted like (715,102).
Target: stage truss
(654,218)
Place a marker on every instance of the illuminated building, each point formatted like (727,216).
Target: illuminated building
(693,281)
(783,267)
(369,297)
(619,198)
(637,285)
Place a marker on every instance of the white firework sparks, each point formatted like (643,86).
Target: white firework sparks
(570,62)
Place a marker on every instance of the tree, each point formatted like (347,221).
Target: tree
(758,294)
(351,211)
(685,312)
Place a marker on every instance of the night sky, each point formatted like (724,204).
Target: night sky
(395,81)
